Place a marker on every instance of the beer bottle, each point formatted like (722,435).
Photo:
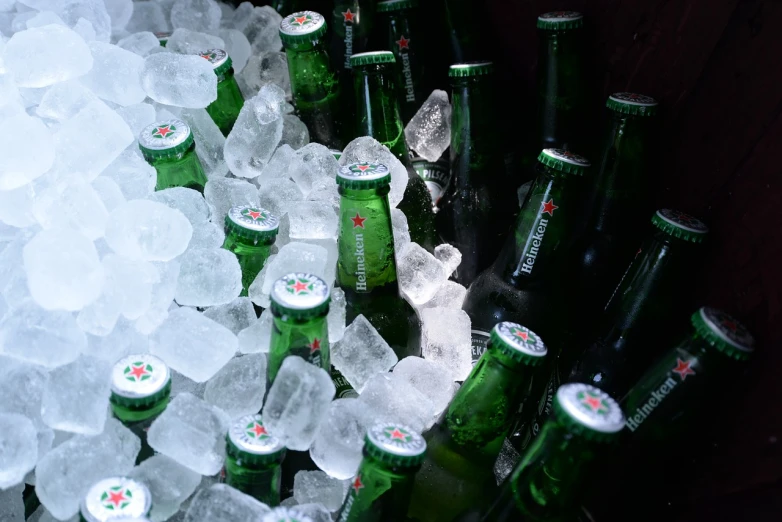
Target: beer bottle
(250,233)
(285,7)
(381,489)
(115,498)
(480,202)
(458,471)
(351,25)
(162,37)
(299,305)
(252,462)
(648,295)
(225,109)
(378,116)
(314,84)
(366,266)
(398,18)
(169,146)
(140,390)
(435,175)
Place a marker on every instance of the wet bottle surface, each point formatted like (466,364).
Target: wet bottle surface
(226,108)
(250,233)
(464,19)
(169,146)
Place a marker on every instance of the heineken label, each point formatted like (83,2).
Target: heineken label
(346,18)
(344,389)
(114,498)
(546,402)
(537,235)
(355,488)
(435,175)
(480,341)
(402,48)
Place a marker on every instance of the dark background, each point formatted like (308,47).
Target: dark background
(716,68)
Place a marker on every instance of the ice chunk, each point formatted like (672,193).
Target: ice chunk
(12,504)
(64,475)
(38,20)
(336,317)
(136,178)
(21,386)
(180,80)
(340,438)
(76,396)
(312,220)
(147,230)
(181,384)
(297,402)
(26,151)
(316,512)
(206,235)
(362,353)
(294,132)
(64,100)
(148,16)
(18,448)
(420,274)
(316,161)
(223,193)
(141,43)
(237,46)
(93,12)
(236,315)
(197,15)
(185,41)
(38,336)
(264,69)
(317,486)
(325,189)
(71,203)
(109,192)
(120,12)
(255,291)
(449,256)
(450,295)
(238,388)
(123,340)
(210,142)
(46,55)
(277,194)
(446,339)
(430,378)
(392,398)
(222,503)
(137,116)
(401,229)
(295,257)
(169,483)
(257,336)
(429,131)
(115,74)
(191,432)
(261,25)
(188,201)
(162,295)
(372,151)
(282,159)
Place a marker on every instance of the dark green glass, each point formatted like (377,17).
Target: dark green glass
(251,258)
(250,233)
(435,175)
(185,171)
(260,482)
(344,389)
(169,146)
(225,110)
(286,7)
(351,24)
(465,20)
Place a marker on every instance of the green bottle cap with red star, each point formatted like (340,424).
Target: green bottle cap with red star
(285,514)
(560,20)
(372,58)
(724,333)
(300,295)
(564,162)
(470,69)
(363,176)
(165,139)
(248,441)
(396,5)
(518,342)
(302,26)
(116,498)
(588,411)
(633,104)
(395,445)
(681,225)
(336,153)
(221,62)
(140,380)
(251,222)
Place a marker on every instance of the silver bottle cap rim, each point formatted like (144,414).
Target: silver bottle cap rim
(253,218)
(728,329)
(560,16)
(682,220)
(300,291)
(396,439)
(591,407)
(302,23)
(216,57)
(116,498)
(363,171)
(634,99)
(164,135)
(521,338)
(249,435)
(139,376)
(567,157)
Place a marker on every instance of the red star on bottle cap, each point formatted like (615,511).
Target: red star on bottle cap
(357,484)
(299,287)
(730,324)
(403,43)
(254,214)
(358,221)
(396,434)
(521,335)
(117,497)
(348,16)
(164,131)
(362,168)
(593,402)
(300,19)
(549,207)
(138,371)
(315,346)
(259,430)
(683,368)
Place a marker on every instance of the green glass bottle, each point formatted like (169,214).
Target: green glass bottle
(226,108)
(314,83)
(380,491)
(169,146)
(253,457)
(286,7)
(351,25)
(480,203)
(115,498)
(366,266)
(250,233)
(140,391)
(163,37)
(299,305)
(378,115)
(435,175)
(648,295)
(465,25)
(458,472)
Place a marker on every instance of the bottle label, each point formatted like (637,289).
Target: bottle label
(344,389)
(407,72)
(539,232)
(436,177)
(546,402)
(345,17)
(366,248)
(479,341)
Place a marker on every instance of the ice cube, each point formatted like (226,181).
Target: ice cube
(162,295)
(297,402)
(449,256)
(236,315)
(18,448)
(450,295)
(169,483)
(316,161)
(317,486)
(315,512)
(255,291)
(237,46)
(26,151)
(64,100)
(392,398)
(185,41)
(264,69)
(93,12)
(222,503)
(76,396)
(238,388)
(12,504)
(192,432)
(188,201)
(115,74)
(71,203)
(135,177)
(278,194)
(430,378)
(279,164)
(312,220)
(210,142)
(38,20)
(180,80)
(223,193)
(261,25)
(362,353)
(120,12)
(192,344)
(137,116)
(340,438)
(147,230)
(86,30)
(46,55)
(446,339)
(64,475)
(295,257)
(206,235)
(372,151)
(21,386)
(141,43)
(336,316)
(256,337)
(48,338)
(197,15)
(123,340)
(16,206)
(420,274)
(294,132)
(429,130)
(181,384)
(325,189)
(208,277)
(148,16)
(401,229)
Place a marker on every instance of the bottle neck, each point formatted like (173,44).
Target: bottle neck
(134,414)
(312,78)
(251,256)
(306,338)
(349,27)
(377,107)
(403,44)
(261,481)
(378,492)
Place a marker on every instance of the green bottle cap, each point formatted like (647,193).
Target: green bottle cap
(300,295)
(588,411)
(564,161)
(518,342)
(285,514)
(165,139)
(363,175)
(336,153)
(372,58)
(681,225)
(254,223)
(468,69)
(560,20)
(396,5)
(302,26)
(140,380)
(248,440)
(162,37)
(724,333)
(221,62)
(115,498)
(633,104)
(395,445)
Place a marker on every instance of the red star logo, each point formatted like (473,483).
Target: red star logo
(403,43)
(299,287)
(362,168)
(522,335)
(300,19)
(349,16)
(164,131)
(259,430)
(357,484)
(730,324)
(315,346)
(396,434)
(138,371)
(254,214)
(549,207)
(358,221)
(117,497)
(683,368)
(593,402)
